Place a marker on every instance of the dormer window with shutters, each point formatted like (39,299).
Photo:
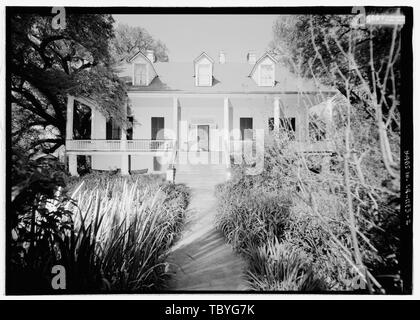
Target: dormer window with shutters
(203,70)
(143,69)
(263,71)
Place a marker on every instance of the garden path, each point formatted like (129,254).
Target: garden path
(201,259)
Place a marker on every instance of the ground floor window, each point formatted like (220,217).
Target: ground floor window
(113,130)
(81,121)
(285,124)
(317,129)
(158,124)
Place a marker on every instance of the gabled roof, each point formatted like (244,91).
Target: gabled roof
(134,56)
(227,78)
(260,59)
(203,54)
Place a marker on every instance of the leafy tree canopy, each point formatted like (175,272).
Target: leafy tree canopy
(47,64)
(331,48)
(129,40)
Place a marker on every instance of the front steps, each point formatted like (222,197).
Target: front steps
(201,175)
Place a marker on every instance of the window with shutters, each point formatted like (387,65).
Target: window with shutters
(140,74)
(204,75)
(266,75)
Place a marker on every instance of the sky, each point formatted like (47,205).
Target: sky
(186,36)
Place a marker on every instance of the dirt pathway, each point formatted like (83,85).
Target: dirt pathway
(202,259)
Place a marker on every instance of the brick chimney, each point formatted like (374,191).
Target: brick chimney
(222,57)
(251,57)
(150,54)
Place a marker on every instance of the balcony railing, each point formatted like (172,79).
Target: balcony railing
(326,146)
(236,146)
(120,145)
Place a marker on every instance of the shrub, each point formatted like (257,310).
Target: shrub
(116,236)
(38,215)
(251,217)
(275,266)
(134,221)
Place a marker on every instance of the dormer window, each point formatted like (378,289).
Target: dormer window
(263,72)
(140,74)
(203,70)
(204,75)
(143,70)
(267,75)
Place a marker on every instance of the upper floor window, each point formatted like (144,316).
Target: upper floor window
(204,75)
(140,74)
(266,75)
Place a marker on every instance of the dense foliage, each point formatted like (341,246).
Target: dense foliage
(109,232)
(344,219)
(47,64)
(129,40)
(291,222)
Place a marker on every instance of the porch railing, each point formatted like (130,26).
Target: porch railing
(119,145)
(239,146)
(326,146)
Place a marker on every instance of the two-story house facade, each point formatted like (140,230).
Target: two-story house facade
(205,106)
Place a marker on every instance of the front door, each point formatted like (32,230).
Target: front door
(203,137)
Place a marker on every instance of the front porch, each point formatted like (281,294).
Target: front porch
(184,119)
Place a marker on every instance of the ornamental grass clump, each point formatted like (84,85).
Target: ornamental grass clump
(276,266)
(250,216)
(128,227)
(106,233)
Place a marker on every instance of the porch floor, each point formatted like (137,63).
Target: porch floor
(201,259)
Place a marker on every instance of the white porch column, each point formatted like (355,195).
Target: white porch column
(226,128)
(329,120)
(93,129)
(73,165)
(69,135)
(276,113)
(175,119)
(69,120)
(123,144)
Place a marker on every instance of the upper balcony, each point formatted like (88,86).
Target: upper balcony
(119,146)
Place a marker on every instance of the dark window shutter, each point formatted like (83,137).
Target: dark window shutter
(158,123)
(271,124)
(245,125)
(109,129)
(130,129)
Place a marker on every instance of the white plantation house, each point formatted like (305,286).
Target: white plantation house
(206,108)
